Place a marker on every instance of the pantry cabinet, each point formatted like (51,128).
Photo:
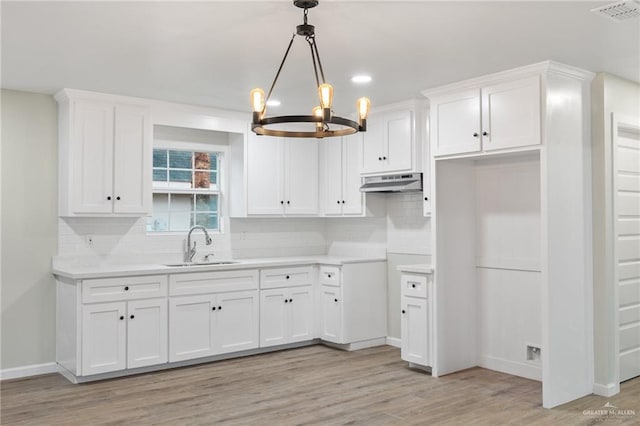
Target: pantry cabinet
(393,140)
(341,177)
(282,176)
(504,115)
(104,155)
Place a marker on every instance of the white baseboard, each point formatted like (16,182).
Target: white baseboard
(394,341)
(28,370)
(606,390)
(521,369)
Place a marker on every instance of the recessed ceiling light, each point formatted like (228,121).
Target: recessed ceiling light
(361,78)
(273,103)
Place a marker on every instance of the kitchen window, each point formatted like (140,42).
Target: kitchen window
(186,190)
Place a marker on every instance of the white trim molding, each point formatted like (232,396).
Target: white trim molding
(28,371)
(606,390)
(394,341)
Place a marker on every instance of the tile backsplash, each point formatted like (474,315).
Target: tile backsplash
(402,230)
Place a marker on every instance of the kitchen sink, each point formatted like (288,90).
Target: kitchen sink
(213,263)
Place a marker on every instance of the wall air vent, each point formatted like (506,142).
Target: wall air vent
(619,11)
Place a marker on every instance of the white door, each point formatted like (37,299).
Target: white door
(330,314)
(455,123)
(236,322)
(191,327)
(398,141)
(626,172)
(511,114)
(300,307)
(333,170)
(92,162)
(104,345)
(351,196)
(414,330)
(373,145)
(132,160)
(301,176)
(265,172)
(273,317)
(146,332)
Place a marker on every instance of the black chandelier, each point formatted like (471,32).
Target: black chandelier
(321,116)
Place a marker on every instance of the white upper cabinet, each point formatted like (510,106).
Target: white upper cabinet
(105,156)
(342,194)
(392,142)
(282,176)
(505,115)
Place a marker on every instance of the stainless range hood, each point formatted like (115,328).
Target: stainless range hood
(408,182)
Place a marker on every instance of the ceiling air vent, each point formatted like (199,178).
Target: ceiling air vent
(619,11)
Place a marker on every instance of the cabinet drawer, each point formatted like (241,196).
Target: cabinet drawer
(124,288)
(213,282)
(286,277)
(330,275)
(414,285)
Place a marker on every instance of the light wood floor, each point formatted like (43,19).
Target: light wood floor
(311,385)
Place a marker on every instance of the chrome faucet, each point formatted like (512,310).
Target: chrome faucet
(191,250)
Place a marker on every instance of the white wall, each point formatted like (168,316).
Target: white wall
(610,94)
(29,234)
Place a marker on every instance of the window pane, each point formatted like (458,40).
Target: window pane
(206,203)
(160,202)
(179,221)
(214,162)
(213,178)
(159,175)
(201,180)
(202,160)
(181,203)
(208,220)
(160,158)
(180,159)
(180,176)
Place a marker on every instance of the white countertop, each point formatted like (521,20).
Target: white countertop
(420,268)
(104,270)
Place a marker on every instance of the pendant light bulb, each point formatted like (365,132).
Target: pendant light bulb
(325,91)
(317,112)
(257,100)
(363,105)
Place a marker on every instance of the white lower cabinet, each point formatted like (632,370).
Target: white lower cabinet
(115,324)
(286,315)
(331,314)
(353,303)
(212,324)
(123,335)
(415,324)
(414,332)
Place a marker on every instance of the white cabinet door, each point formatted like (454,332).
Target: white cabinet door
(301,176)
(398,141)
(91,151)
(352,198)
(236,322)
(373,145)
(511,114)
(273,317)
(330,314)
(191,327)
(146,332)
(301,310)
(333,176)
(414,330)
(455,123)
(132,160)
(265,173)
(104,343)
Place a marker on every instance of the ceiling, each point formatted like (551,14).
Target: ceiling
(213,53)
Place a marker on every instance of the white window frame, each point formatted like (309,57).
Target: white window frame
(223,185)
